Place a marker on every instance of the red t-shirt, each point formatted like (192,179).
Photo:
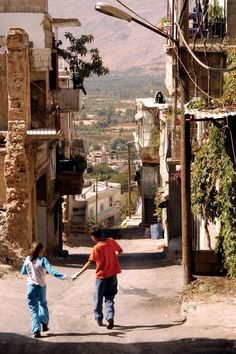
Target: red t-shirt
(105,257)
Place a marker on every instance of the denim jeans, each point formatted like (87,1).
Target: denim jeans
(105,288)
(36,296)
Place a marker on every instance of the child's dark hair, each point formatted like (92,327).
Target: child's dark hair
(98,233)
(36,248)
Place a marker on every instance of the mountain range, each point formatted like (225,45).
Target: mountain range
(123,46)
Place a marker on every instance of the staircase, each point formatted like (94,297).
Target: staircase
(149,211)
(77,223)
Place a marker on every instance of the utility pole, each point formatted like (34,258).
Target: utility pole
(96,202)
(185,148)
(129,183)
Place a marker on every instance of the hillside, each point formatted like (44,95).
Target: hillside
(122,45)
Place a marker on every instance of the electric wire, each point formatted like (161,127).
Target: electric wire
(61,105)
(136,14)
(194,82)
(196,58)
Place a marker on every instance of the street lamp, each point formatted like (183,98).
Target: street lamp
(122,15)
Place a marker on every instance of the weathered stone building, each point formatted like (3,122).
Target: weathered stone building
(30,187)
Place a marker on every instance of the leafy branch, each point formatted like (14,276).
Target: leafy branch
(75,56)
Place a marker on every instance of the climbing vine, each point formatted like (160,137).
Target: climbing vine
(158,199)
(214,191)
(229,96)
(155,142)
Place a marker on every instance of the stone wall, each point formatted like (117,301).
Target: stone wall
(3,93)
(2,181)
(18,224)
(35,6)
(47,25)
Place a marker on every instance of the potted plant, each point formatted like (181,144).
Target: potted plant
(216,19)
(164,23)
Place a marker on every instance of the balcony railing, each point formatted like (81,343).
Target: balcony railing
(205,22)
(69,182)
(201,27)
(40,59)
(69,99)
(44,124)
(70,175)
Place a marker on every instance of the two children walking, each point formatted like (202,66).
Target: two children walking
(104,254)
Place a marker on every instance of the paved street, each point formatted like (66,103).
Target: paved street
(148,310)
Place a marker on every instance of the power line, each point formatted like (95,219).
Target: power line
(196,58)
(194,82)
(136,14)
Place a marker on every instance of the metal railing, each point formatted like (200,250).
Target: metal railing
(45,120)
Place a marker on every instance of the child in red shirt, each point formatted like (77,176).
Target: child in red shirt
(105,254)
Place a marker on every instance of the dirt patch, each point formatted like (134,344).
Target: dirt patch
(205,286)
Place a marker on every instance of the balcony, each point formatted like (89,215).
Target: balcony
(68,99)
(202,28)
(70,175)
(44,125)
(40,59)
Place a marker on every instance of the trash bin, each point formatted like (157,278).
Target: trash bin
(156,231)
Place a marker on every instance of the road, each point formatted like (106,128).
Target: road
(148,310)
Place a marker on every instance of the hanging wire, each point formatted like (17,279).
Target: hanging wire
(187,46)
(194,82)
(61,105)
(196,58)
(136,14)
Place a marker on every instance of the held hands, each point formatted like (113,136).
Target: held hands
(67,278)
(71,278)
(74,276)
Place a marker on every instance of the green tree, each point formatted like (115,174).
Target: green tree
(124,205)
(214,190)
(118,144)
(75,56)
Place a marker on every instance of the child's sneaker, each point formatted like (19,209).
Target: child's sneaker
(100,323)
(110,323)
(37,335)
(45,327)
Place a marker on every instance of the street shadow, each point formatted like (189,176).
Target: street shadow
(11,343)
(150,327)
(116,334)
(129,233)
(147,260)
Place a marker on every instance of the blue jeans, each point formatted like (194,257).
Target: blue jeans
(36,296)
(106,288)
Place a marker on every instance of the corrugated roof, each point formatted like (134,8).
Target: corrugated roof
(217,113)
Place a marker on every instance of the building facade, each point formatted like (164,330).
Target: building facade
(32,182)
(99,203)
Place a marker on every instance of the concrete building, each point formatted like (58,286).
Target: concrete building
(149,120)
(209,38)
(160,177)
(32,179)
(98,203)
